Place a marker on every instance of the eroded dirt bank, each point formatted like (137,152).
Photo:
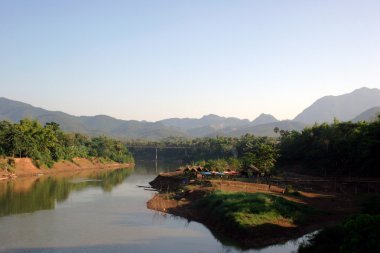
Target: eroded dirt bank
(23,167)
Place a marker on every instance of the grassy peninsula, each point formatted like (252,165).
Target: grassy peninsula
(248,215)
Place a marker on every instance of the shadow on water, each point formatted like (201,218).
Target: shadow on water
(32,194)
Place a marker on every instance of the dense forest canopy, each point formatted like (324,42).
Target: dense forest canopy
(48,144)
(342,148)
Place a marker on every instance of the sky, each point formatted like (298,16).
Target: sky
(156,59)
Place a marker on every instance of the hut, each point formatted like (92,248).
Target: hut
(250,170)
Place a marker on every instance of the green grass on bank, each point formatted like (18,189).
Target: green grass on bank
(244,210)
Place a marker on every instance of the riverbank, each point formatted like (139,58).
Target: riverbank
(249,215)
(24,167)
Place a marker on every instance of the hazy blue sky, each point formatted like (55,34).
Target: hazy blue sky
(159,59)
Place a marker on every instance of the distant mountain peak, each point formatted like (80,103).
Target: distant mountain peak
(264,115)
(364,89)
(343,107)
(211,116)
(264,119)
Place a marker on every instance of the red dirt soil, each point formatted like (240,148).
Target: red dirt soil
(24,167)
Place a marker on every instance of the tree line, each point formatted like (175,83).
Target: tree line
(338,149)
(341,148)
(217,153)
(48,144)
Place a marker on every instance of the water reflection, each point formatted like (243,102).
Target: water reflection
(151,168)
(100,212)
(32,194)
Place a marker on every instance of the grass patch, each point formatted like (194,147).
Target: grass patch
(245,210)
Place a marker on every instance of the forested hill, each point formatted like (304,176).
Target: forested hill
(213,121)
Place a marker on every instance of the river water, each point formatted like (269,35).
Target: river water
(99,212)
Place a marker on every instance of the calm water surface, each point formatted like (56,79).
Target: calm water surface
(98,212)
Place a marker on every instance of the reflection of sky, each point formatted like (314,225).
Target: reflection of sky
(95,221)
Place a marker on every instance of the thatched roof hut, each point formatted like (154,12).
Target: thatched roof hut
(253,168)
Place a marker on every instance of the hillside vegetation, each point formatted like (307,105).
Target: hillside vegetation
(341,148)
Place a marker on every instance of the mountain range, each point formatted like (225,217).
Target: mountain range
(344,107)
(360,105)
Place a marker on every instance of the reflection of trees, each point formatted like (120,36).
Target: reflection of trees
(45,192)
(149,167)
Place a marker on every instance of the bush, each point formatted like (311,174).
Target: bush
(362,234)
(359,234)
(11,162)
(217,165)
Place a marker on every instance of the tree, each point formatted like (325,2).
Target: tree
(48,144)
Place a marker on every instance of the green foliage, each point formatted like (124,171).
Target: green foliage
(234,163)
(359,234)
(362,234)
(218,153)
(244,210)
(48,144)
(217,165)
(258,151)
(190,150)
(108,148)
(342,148)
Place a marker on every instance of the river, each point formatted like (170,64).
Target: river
(99,212)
